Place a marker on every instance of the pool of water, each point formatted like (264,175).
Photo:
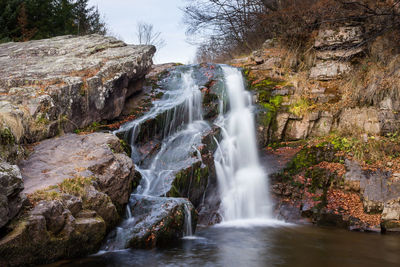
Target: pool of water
(261,246)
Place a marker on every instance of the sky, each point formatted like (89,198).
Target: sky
(122,17)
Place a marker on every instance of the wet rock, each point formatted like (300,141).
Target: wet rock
(63,83)
(191,183)
(11,184)
(158,221)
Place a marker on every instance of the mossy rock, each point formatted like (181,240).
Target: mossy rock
(191,183)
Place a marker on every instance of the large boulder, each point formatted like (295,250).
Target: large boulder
(159,220)
(154,221)
(98,155)
(67,82)
(77,186)
(11,185)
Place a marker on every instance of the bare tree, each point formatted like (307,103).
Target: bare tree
(146,35)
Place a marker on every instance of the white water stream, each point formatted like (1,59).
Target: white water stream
(242,180)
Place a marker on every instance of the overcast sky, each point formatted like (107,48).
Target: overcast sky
(122,17)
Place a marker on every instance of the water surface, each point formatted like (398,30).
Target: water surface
(261,246)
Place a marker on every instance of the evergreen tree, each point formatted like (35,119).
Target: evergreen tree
(22,20)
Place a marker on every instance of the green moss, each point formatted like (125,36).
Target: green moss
(126,147)
(6,137)
(300,107)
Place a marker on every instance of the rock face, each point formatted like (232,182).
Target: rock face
(334,47)
(11,185)
(67,82)
(77,185)
(380,190)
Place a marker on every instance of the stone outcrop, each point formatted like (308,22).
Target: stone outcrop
(335,46)
(60,84)
(380,191)
(77,186)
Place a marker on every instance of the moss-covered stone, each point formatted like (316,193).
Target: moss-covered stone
(191,183)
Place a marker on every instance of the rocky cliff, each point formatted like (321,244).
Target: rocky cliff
(335,105)
(57,85)
(59,197)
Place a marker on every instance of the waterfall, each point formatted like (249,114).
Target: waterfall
(188,221)
(242,181)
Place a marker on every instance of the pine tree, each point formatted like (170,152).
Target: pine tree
(22,20)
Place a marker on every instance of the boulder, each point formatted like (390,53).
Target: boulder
(97,155)
(77,186)
(11,184)
(67,82)
(159,220)
(155,221)
(50,232)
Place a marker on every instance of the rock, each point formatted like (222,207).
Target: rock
(369,120)
(257,57)
(156,221)
(102,205)
(297,129)
(67,82)
(11,184)
(343,54)
(328,70)
(268,64)
(96,155)
(379,193)
(335,47)
(391,210)
(50,233)
(191,183)
(77,184)
(348,35)
(363,119)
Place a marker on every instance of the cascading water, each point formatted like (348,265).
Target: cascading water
(242,180)
(177,120)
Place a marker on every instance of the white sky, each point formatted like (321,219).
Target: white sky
(122,16)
